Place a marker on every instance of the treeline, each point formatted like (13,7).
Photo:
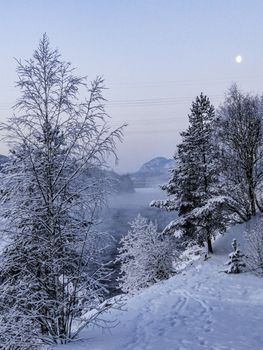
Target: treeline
(218,175)
(217,181)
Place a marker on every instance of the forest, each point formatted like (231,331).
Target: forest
(54,277)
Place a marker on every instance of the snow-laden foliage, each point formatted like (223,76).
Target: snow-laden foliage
(235,259)
(194,188)
(254,249)
(188,257)
(210,208)
(144,256)
(51,271)
(240,122)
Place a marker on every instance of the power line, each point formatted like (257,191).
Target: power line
(159,131)
(189,82)
(162,99)
(159,101)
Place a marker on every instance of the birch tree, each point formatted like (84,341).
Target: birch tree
(51,272)
(240,139)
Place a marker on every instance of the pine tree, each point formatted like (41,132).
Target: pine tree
(51,272)
(145,257)
(194,185)
(235,262)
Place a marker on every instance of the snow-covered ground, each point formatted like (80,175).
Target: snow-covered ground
(202,308)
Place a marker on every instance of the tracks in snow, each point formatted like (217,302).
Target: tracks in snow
(186,315)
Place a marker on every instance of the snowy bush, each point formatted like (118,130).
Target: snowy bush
(189,255)
(254,249)
(236,259)
(145,258)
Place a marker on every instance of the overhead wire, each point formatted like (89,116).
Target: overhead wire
(155,102)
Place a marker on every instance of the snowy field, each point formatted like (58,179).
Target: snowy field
(200,309)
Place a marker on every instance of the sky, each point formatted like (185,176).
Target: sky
(156,56)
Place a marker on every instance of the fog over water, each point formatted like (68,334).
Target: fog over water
(139,199)
(123,208)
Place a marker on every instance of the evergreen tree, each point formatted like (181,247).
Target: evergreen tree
(194,186)
(51,273)
(235,262)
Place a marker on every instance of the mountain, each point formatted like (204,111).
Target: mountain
(3,159)
(120,183)
(153,173)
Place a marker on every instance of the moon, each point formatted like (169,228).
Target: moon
(239,59)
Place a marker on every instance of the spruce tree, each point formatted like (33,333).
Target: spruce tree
(235,262)
(194,185)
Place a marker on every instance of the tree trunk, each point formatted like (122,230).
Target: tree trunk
(251,189)
(252,201)
(260,207)
(209,245)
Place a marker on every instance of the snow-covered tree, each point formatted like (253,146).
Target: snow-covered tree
(144,256)
(51,274)
(236,259)
(240,139)
(254,249)
(194,189)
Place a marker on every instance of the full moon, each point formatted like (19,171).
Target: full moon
(238,59)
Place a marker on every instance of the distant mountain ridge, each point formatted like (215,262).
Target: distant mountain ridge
(3,159)
(153,173)
(119,183)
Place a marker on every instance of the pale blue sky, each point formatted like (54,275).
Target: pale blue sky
(156,56)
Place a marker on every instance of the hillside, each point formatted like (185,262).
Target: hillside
(153,173)
(200,309)
(120,183)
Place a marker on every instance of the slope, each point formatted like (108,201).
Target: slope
(200,309)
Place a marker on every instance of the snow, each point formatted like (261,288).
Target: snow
(199,309)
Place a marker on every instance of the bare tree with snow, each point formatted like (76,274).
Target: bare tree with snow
(254,249)
(241,142)
(51,274)
(145,257)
